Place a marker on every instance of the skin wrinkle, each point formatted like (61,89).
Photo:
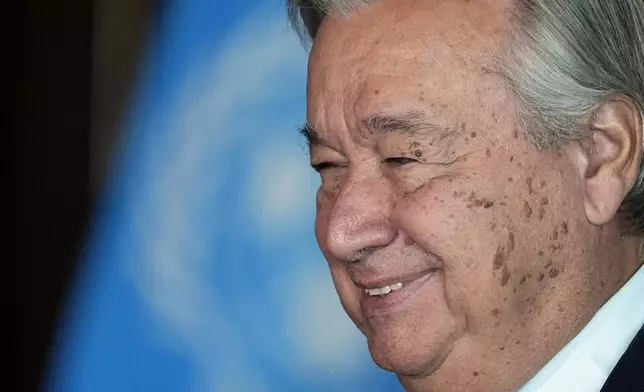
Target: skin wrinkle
(412,123)
(455,207)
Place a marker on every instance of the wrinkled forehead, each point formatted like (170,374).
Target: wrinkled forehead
(401,49)
(413,28)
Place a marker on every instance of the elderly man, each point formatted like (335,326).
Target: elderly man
(481,204)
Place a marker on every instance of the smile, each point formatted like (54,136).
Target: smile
(384,300)
(384,290)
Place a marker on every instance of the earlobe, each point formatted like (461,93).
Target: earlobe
(612,157)
(604,195)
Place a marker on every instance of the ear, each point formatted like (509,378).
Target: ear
(609,160)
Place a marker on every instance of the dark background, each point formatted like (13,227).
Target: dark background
(69,67)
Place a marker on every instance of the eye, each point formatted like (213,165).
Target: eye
(399,161)
(320,167)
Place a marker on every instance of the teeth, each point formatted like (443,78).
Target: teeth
(384,290)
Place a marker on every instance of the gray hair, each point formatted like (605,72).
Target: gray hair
(564,57)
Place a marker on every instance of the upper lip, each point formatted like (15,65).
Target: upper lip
(377,282)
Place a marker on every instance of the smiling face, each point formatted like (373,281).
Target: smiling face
(468,241)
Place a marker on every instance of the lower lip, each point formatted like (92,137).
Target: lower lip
(379,306)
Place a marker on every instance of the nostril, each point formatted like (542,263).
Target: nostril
(361,254)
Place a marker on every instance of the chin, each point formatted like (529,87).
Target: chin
(407,353)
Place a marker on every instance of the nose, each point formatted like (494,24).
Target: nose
(360,220)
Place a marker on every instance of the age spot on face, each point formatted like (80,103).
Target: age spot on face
(499,258)
(505,275)
(458,194)
(553,272)
(528,183)
(474,201)
(527,210)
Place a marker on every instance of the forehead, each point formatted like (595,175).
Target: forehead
(394,52)
(468,25)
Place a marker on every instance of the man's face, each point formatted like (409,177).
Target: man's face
(427,182)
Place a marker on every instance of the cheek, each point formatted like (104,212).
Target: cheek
(466,225)
(451,217)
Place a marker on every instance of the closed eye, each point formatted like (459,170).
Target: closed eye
(320,167)
(399,161)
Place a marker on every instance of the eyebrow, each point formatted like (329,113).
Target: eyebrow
(311,134)
(412,123)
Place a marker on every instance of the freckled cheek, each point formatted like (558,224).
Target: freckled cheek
(441,215)
(425,222)
(446,222)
